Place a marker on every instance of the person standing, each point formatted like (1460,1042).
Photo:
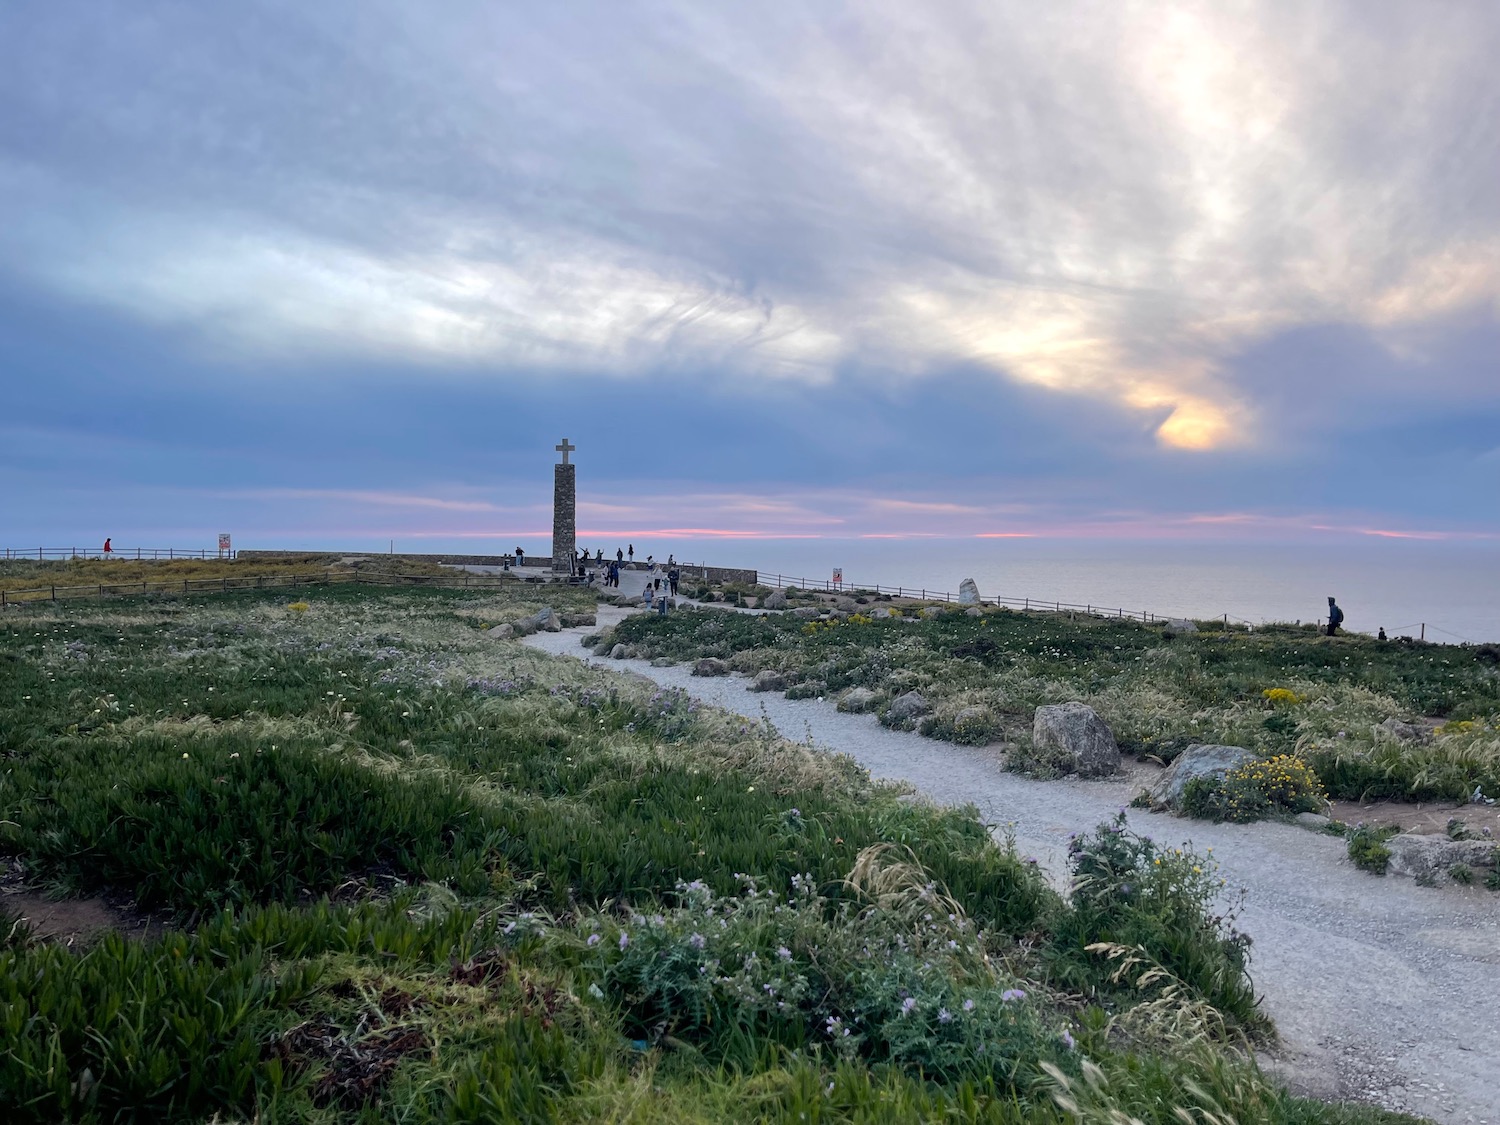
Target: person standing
(672,577)
(630,551)
(1335,617)
(520,556)
(619,555)
(108,547)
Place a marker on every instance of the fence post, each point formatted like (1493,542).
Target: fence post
(54,593)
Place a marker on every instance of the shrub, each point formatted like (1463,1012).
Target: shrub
(1367,848)
(1255,790)
(898,975)
(1130,893)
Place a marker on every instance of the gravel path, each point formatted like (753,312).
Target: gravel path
(1383,991)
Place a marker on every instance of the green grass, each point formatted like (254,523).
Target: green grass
(1158,693)
(386,841)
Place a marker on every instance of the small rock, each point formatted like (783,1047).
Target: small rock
(857,700)
(768,679)
(906,709)
(1315,821)
(503,632)
(618,652)
(973,611)
(708,666)
(847,605)
(808,612)
(1198,760)
(968,592)
(776,599)
(544,620)
(574,620)
(1180,625)
(1080,734)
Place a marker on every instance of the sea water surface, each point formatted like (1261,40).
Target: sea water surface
(1453,589)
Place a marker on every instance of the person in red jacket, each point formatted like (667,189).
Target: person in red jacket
(107,548)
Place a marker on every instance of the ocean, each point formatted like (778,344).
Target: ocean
(1453,590)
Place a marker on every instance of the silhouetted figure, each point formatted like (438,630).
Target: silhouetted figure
(672,576)
(619,555)
(1380,636)
(1335,617)
(630,550)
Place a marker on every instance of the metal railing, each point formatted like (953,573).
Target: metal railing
(135,554)
(781,581)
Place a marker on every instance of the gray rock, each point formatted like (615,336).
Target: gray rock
(973,611)
(968,592)
(1315,821)
(776,599)
(663,662)
(809,612)
(858,700)
(1198,760)
(1080,735)
(907,708)
(1406,732)
(1180,625)
(503,632)
(574,620)
(1429,858)
(768,679)
(618,652)
(848,605)
(708,666)
(544,620)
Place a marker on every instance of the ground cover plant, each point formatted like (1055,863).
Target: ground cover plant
(413,872)
(1351,707)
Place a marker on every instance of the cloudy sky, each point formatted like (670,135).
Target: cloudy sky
(347,271)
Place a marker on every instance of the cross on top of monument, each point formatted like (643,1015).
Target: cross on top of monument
(565,449)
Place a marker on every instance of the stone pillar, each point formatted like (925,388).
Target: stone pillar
(564,518)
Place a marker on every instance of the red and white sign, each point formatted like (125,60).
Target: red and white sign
(838,576)
(224,548)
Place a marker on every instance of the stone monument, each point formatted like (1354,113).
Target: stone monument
(564,512)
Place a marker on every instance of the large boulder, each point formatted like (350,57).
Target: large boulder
(968,592)
(709,666)
(776,599)
(768,679)
(1198,760)
(907,708)
(503,632)
(1072,732)
(574,620)
(807,612)
(847,605)
(544,620)
(1431,859)
(1180,625)
(858,700)
(618,652)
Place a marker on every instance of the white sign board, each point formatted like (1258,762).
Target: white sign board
(224,548)
(838,576)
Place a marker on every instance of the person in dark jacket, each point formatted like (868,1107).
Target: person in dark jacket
(1335,617)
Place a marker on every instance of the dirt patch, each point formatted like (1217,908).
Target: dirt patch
(71,921)
(357,1068)
(1423,818)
